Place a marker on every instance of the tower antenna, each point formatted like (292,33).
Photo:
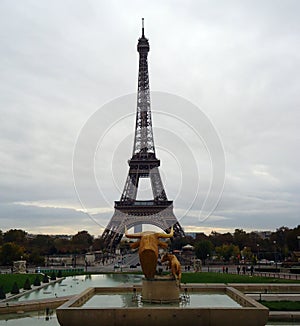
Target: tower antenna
(143,35)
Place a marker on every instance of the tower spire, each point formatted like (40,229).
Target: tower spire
(143,34)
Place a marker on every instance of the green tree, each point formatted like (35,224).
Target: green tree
(15,289)
(63,246)
(247,253)
(37,281)
(27,285)
(228,251)
(2,293)
(35,258)
(45,278)
(292,239)
(240,238)
(10,252)
(218,239)
(43,244)
(81,242)
(203,249)
(16,236)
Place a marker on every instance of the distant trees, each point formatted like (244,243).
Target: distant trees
(280,244)
(228,252)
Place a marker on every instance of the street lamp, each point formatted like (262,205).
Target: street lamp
(258,256)
(208,262)
(275,254)
(298,237)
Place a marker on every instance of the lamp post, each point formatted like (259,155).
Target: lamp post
(258,256)
(275,254)
(208,262)
(298,237)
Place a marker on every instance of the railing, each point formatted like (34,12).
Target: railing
(143,203)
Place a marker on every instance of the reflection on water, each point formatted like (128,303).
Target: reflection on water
(200,300)
(30,319)
(76,284)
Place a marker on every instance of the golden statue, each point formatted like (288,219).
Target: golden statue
(174,266)
(148,245)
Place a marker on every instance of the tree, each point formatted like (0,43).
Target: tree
(240,238)
(178,243)
(292,239)
(228,251)
(98,244)
(203,249)
(10,252)
(43,244)
(35,258)
(37,281)
(45,278)
(15,289)
(63,246)
(27,285)
(247,253)
(2,293)
(218,239)
(82,241)
(16,236)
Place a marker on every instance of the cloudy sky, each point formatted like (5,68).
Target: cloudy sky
(236,61)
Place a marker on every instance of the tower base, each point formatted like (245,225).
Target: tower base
(151,212)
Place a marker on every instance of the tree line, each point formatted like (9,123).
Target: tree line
(17,244)
(245,246)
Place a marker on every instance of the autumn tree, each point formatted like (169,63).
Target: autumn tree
(228,251)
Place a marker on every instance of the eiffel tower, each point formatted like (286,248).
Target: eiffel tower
(129,211)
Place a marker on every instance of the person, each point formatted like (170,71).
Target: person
(226,270)
(223,269)
(238,269)
(244,270)
(252,270)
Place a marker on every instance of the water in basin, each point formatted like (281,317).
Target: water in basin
(77,284)
(29,319)
(196,300)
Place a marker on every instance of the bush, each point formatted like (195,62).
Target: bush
(2,293)
(45,279)
(37,281)
(53,277)
(15,289)
(27,285)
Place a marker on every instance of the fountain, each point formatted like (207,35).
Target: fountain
(161,300)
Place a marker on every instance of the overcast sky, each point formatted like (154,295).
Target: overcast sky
(237,61)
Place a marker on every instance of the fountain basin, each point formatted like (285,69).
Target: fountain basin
(87,309)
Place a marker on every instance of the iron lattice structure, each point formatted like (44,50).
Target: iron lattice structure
(129,211)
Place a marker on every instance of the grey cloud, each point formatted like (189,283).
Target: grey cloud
(238,61)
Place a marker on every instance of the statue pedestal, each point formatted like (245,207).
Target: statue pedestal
(160,290)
